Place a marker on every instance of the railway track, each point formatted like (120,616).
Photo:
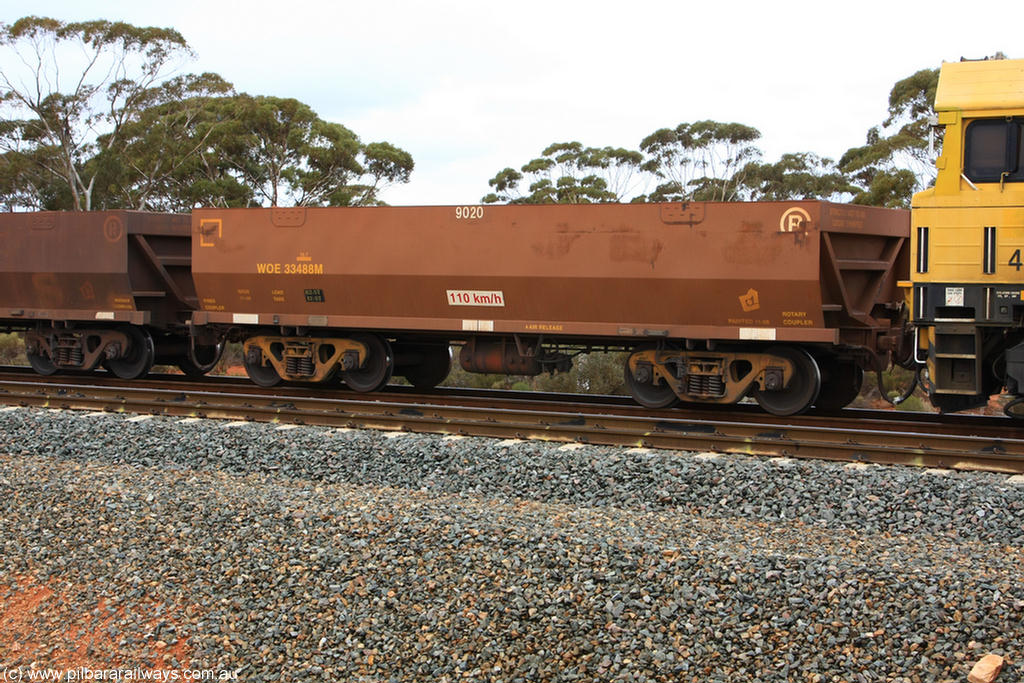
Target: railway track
(965,442)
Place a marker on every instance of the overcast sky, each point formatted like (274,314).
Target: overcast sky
(470,87)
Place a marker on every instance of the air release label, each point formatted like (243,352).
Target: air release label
(474,297)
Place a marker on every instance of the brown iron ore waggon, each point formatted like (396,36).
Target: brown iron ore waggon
(787,302)
(104,287)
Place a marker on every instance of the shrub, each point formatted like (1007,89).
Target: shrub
(895,382)
(12,349)
(230,362)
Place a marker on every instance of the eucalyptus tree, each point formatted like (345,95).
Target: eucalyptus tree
(569,173)
(383,165)
(287,154)
(24,181)
(704,160)
(897,157)
(70,87)
(170,153)
(801,175)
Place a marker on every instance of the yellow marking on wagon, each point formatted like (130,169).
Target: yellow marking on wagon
(207,227)
(794,219)
(290,268)
(750,301)
(796,319)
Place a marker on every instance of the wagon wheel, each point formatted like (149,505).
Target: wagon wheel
(41,364)
(377,368)
(140,357)
(435,362)
(647,393)
(263,375)
(841,382)
(803,388)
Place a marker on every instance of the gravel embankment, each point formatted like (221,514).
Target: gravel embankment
(317,554)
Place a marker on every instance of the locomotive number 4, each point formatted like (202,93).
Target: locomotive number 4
(1015,260)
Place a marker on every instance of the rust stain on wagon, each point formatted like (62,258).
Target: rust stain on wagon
(634,247)
(751,246)
(558,246)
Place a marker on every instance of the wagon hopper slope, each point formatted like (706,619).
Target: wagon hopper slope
(103,287)
(716,300)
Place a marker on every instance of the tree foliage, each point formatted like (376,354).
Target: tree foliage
(290,150)
(705,160)
(384,165)
(895,160)
(569,173)
(24,180)
(162,160)
(286,153)
(122,134)
(714,161)
(795,176)
(69,90)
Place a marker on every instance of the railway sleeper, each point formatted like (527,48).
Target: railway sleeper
(304,359)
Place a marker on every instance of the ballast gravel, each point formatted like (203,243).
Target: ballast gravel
(312,554)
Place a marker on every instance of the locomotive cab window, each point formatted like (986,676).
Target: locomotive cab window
(993,151)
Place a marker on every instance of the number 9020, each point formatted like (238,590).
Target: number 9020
(469,212)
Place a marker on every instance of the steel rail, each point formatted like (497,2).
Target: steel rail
(988,445)
(949,423)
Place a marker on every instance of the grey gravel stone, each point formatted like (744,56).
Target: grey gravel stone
(313,554)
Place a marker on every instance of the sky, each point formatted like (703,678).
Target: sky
(471,87)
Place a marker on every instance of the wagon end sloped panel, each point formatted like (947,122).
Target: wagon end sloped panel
(80,266)
(864,254)
(160,266)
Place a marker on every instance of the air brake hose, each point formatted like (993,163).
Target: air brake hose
(906,394)
(1008,408)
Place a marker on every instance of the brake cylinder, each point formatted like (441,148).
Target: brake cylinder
(497,357)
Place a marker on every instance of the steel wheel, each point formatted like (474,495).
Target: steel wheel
(841,382)
(434,362)
(140,357)
(41,364)
(376,370)
(263,375)
(803,388)
(648,394)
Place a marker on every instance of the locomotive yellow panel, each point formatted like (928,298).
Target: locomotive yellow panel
(987,85)
(970,245)
(967,238)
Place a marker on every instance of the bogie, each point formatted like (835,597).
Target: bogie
(270,359)
(783,380)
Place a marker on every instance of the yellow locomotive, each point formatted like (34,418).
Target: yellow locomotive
(966,293)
